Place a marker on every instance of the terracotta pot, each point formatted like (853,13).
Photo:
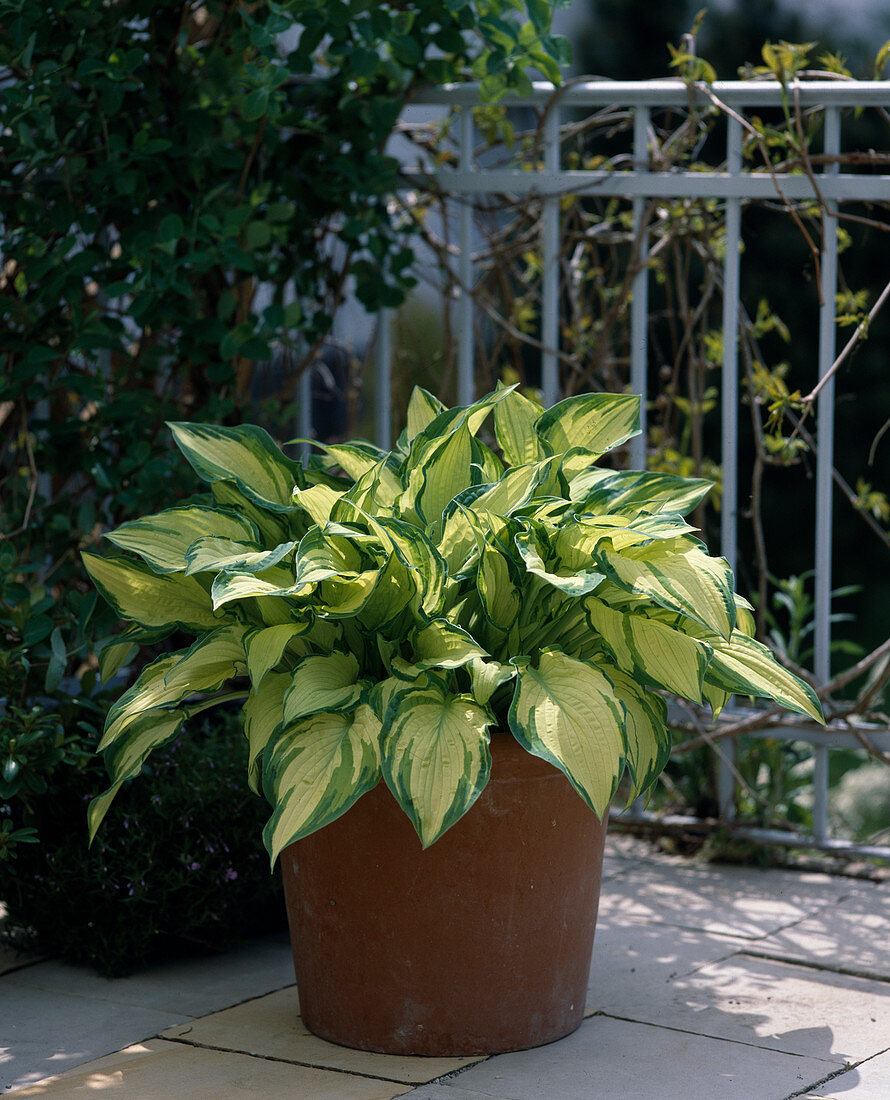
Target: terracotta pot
(478,945)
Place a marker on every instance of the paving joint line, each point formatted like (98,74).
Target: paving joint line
(308,1065)
(838,1073)
(848,971)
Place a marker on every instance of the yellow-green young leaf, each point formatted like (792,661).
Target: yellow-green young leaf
(265,648)
(487,677)
(152,599)
(577,540)
(211,554)
(715,697)
(514,426)
(655,653)
(271,525)
(316,770)
(497,586)
(423,408)
(263,711)
(648,738)
(426,565)
(246,455)
(276,581)
(435,756)
(540,560)
(205,667)
(392,591)
(441,644)
(677,575)
(514,489)
(355,461)
(346,598)
(747,667)
(321,556)
(461,538)
(566,711)
(377,490)
(594,422)
(318,502)
(124,759)
(442,471)
(631,491)
(162,540)
(322,682)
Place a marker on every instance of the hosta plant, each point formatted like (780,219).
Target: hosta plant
(381,614)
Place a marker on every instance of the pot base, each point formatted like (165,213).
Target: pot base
(479,945)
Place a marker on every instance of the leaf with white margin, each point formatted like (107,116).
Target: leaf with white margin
(322,682)
(315,770)
(745,666)
(566,711)
(441,644)
(242,586)
(435,756)
(652,651)
(246,455)
(534,551)
(514,426)
(423,408)
(649,740)
(593,422)
(205,667)
(675,574)
(124,759)
(263,711)
(151,599)
(487,677)
(211,555)
(162,540)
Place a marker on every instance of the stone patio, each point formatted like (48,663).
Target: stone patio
(707,982)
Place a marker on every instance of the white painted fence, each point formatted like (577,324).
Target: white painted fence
(735,186)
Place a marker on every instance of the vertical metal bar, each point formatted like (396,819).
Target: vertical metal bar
(304,414)
(550,268)
(383,380)
(729,424)
(466,384)
(639,307)
(825,465)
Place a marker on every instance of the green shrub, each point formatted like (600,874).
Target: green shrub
(182,869)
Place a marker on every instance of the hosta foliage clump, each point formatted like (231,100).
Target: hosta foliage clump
(390,610)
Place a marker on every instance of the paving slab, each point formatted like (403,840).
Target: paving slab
(635,965)
(619,1060)
(771,1004)
(852,935)
(186,987)
(270,1027)
(868,1081)
(159,1070)
(745,902)
(44,1032)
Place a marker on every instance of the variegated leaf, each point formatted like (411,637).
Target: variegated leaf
(322,682)
(441,644)
(316,769)
(648,738)
(246,455)
(423,408)
(272,526)
(630,491)
(162,540)
(265,648)
(205,667)
(212,554)
(124,759)
(747,667)
(263,713)
(499,587)
(441,472)
(652,651)
(277,581)
(318,502)
(677,575)
(539,559)
(566,711)
(487,677)
(594,422)
(514,427)
(151,599)
(435,760)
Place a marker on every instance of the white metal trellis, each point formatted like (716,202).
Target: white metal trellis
(640,183)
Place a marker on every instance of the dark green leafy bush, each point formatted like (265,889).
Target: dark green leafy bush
(182,868)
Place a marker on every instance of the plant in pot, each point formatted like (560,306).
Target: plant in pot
(449,654)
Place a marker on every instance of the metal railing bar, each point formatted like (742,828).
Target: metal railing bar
(825,465)
(550,269)
(466,387)
(729,419)
(383,380)
(759,185)
(639,305)
(671,93)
